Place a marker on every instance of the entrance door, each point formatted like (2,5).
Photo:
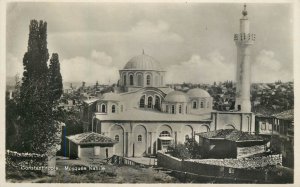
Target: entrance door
(165,144)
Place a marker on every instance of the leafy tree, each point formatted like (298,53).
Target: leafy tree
(180,151)
(194,148)
(12,118)
(55,79)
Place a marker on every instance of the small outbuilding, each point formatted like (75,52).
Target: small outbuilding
(230,143)
(90,145)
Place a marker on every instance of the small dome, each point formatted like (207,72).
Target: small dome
(176,96)
(110,97)
(143,62)
(197,92)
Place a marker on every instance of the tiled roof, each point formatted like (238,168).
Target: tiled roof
(90,138)
(90,101)
(261,115)
(230,134)
(286,115)
(153,116)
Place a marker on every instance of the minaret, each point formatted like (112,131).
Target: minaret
(243,41)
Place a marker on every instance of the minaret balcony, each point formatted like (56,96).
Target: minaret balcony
(245,38)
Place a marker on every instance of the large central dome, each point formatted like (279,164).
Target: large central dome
(143,62)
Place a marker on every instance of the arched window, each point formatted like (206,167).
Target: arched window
(148,79)
(142,102)
(194,104)
(201,104)
(140,80)
(140,138)
(164,134)
(124,79)
(103,108)
(150,102)
(117,138)
(131,79)
(173,109)
(113,108)
(167,108)
(180,109)
(157,102)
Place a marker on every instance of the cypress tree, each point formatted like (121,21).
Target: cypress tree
(55,79)
(38,127)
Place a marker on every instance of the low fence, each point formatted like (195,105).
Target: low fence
(246,169)
(119,160)
(25,161)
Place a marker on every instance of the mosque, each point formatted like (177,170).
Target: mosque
(145,115)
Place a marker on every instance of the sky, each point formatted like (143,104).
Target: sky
(193,42)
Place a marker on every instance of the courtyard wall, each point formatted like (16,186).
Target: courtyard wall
(253,168)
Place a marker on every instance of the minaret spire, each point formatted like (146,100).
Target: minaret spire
(245,13)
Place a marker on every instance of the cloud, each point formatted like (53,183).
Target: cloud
(96,67)
(266,68)
(214,67)
(14,65)
(153,32)
(101,58)
(201,70)
(141,34)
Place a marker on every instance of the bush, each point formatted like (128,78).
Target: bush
(180,151)
(194,148)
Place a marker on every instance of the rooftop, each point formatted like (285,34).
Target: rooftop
(231,135)
(153,116)
(285,115)
(90,138)
(91,100)
(142,62)
(176,96)
(197,92)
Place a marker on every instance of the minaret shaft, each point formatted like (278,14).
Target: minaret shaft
(244,41)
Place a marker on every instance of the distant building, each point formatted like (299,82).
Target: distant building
(280,130)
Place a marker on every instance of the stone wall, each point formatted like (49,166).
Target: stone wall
(253,162)
(167,161)
(248,151)
(245,168)
(25,161)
